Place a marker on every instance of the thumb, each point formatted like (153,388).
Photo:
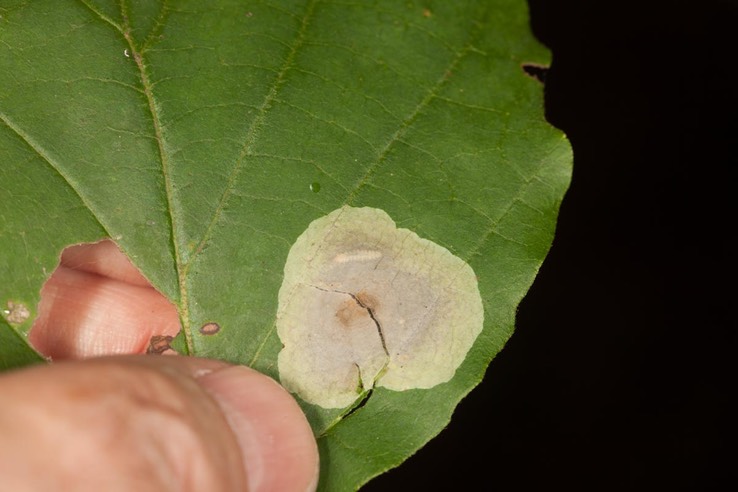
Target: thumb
(152,423)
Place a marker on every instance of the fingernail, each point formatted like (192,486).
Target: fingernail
(277,443)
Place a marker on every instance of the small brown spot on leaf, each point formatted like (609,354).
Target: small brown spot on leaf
(427,13)
(210,328)
(159,344)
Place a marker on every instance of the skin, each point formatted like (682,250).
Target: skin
(102,418)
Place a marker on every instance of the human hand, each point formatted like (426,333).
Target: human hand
(134,422)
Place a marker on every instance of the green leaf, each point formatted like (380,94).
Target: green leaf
(204,137)
(15,352)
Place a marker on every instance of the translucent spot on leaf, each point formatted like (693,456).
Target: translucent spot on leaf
(16,312)
(210,328)
(315,187)
(366,304)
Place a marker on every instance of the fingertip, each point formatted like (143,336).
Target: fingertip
(82,314)
(277,442)
(103,258)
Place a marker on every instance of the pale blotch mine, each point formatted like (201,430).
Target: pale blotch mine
(364,303)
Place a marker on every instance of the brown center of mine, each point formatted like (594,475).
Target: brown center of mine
(367,301)
(356,307)
(349,312)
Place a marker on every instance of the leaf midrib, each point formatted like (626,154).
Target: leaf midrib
(137,55)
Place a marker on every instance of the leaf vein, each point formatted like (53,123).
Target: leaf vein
(161,20)
(253,130)
(102,16)
(368,97)
(137,56)
(313,163)
(46,157)
(407,122)
(492,229)
(332,123)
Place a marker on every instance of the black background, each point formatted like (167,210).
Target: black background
(617,375)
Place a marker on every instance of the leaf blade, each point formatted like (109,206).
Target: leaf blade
(194,134)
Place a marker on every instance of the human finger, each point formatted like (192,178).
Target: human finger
(152,423)
(97,303)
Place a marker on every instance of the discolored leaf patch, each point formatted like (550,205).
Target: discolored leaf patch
(16,312)
(364,303)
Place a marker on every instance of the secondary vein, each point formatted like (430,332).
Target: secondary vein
(495,223)
(102,16)
(406,123)
(41,152)
(253,130)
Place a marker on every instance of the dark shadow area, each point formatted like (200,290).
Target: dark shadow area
(617,377)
